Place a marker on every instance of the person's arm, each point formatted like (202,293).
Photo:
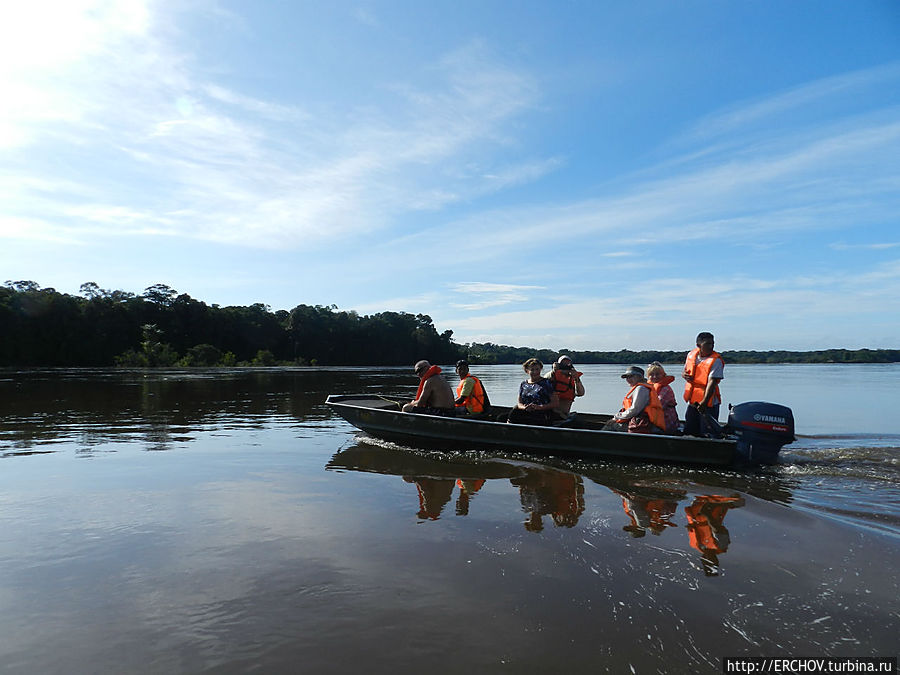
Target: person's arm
(716,375)
(579,388)
(466,391)
(687,373)
(639,401)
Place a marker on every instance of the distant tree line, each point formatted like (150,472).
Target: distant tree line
(491,353)
(161,327)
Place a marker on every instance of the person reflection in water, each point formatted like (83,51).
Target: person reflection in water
(467,488)
(434,495)
(651,513)
(557,494)
(706,529)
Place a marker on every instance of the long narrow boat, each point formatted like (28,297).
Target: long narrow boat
(756,433)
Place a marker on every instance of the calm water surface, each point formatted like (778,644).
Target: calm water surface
(225,521)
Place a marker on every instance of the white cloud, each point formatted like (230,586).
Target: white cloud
(842,246)
(490,294)
(845,174)
(216,164)
(745,114)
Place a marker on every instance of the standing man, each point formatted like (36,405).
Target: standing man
(566,383)
(434,396)
(703,370)
(471,398)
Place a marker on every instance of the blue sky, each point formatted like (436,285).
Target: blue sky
(583,175)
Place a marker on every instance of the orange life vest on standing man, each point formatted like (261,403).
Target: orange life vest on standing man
(694,389)
(654,408)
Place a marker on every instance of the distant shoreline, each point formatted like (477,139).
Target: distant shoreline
(500,354)
(41,327)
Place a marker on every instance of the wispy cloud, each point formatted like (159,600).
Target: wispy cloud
(491,294)
(220,165)
(847,173)
(841,246)
(745,115)
(787,310)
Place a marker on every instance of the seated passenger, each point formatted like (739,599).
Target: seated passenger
(658,379)
(537,400)
(641,411)
(434,396)
(471,397)
(567,384)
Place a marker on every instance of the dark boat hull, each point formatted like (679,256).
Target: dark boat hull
(381,418)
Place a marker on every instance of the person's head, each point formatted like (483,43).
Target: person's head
(563,363)
(421,367)
(633,375)
(655,372)
(462,368)
(533,367)
(706,342)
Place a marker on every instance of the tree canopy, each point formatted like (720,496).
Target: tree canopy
(161,327)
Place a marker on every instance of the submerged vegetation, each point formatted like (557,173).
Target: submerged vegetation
(164,328)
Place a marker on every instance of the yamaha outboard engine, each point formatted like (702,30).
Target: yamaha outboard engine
(761,430)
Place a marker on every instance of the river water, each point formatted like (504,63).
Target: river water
(226,521)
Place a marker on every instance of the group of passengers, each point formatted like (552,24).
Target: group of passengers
(647,408)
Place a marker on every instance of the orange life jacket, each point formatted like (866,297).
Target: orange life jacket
(564,386)
(696,388)
(666,379)
(702,526)
(654,408)
(431,372)
(475,402)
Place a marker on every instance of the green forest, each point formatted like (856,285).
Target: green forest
(41,327)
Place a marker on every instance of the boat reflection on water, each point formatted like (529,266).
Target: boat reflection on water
(651,495)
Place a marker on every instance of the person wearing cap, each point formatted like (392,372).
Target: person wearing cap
(641,411)
(434,396)
(703,370)
(471,398)
(566,383)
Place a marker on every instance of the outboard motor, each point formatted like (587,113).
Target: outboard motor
(761,429)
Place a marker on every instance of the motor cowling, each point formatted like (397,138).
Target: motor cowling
(761,430)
